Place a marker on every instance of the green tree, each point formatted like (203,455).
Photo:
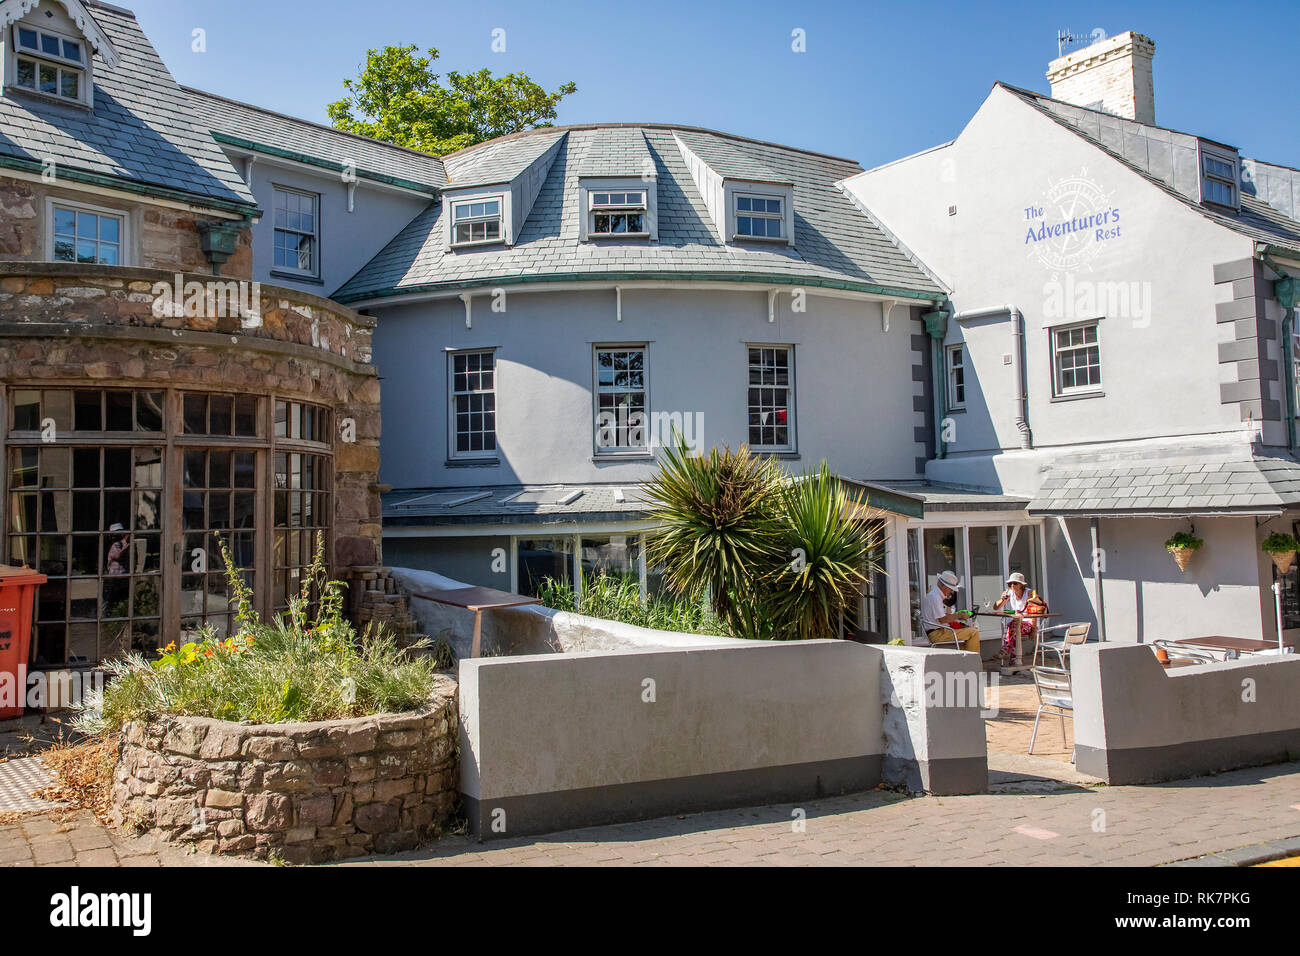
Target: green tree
(399,99)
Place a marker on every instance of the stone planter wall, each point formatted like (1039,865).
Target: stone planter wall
(307,793)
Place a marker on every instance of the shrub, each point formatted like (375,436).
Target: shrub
(1182,540)
(1277,543)
(301,667)
(617,598)
(779,556)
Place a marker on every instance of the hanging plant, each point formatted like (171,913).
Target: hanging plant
(1182,546)
(1282,549)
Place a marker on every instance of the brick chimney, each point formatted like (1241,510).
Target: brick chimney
(1113,75)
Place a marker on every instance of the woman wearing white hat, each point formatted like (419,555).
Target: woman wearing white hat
(1015,598)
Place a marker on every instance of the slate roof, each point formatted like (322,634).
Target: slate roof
(618,152)
(1185,481)
(835,243)
(142,129)
(1256,219)
(513,504)
(936,497)
(263,130)
(497,160)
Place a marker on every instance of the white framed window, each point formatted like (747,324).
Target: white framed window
(87,234)
(478,221)
(621,399)
(770,397)
(1219,176)
(956,361)
(1076,359)
(760,217)
(50,63)
(297,231)
(473,406)
(619,212)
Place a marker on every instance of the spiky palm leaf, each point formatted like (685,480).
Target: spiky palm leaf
(827,553)
(716,526)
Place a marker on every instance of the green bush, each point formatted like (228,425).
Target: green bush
(618,598)
(779,556)
(1277,543)
(1182,539)
(301,667)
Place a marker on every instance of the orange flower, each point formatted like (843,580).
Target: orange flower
(208,653)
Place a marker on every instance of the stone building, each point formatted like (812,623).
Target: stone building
(157,397)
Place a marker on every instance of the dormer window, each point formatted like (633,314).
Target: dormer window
(1219,176)
(50,64)
(618,213)
(760,217)
(475,222)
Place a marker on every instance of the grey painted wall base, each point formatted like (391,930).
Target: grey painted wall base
(621,803)
(944,777)
(1190,759)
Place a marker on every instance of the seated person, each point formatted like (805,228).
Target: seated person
(935,619)
(1015,598)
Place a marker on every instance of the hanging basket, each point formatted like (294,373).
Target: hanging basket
(1283,560)
(1182,556)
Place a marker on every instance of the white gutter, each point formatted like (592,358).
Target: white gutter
(1017,361)
(588,285)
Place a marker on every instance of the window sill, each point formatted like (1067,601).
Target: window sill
(475,245)
(780,240)
(1078,397)
(784,454)
(623,456)
(472,462)
(298,276)
(48,98)
(598,236)
(955,411)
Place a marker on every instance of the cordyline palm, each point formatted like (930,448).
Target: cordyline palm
(827,553)
(716,527)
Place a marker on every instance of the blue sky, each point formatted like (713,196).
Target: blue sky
(878,80)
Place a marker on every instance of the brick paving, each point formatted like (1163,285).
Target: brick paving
(76,838)
(1039,812)
(1027,823)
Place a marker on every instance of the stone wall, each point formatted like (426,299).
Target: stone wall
(159,236)
(65,323)
(306,793)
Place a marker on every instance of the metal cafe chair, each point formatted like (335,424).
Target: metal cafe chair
(1071,634)
(1055,693)
(951,639)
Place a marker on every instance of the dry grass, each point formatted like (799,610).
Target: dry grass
(85,775)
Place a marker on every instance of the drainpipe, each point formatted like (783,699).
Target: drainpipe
(1095,532)
(936,326)
(1018,364)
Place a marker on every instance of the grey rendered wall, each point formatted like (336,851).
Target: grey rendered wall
(853,381)
(1135,722)
(1160,368)
(1146,595)
(348,239)
(561,740)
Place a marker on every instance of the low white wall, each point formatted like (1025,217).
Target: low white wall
(574,721)
(1137,722)
(531,629)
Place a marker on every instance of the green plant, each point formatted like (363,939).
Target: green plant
(302,666)
(826,555)
(1277,543)
(779,557)
(717,529)
(617,597)
(1182,540)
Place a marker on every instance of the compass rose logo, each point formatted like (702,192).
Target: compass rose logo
(1067,231)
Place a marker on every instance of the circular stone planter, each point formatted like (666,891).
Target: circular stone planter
(306,793)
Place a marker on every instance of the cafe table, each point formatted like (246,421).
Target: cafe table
(478,600)
(1230,647)
(1010,616)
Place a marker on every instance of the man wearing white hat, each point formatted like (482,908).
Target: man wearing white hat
(937,625)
